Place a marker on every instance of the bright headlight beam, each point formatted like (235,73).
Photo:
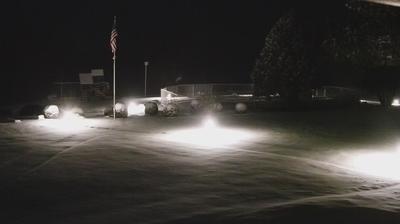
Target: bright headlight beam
(136,109)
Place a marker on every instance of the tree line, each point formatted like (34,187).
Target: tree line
(347,43)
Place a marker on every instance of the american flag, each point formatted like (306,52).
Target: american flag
(114,34)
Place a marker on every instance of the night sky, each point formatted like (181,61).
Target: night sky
(200,41)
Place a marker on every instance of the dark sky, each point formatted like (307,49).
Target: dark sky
(202,41)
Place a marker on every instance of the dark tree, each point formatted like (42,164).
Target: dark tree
(284,63)
(368,43)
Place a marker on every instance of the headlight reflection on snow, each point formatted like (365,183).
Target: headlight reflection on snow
(69,122)
(209,123)
(380,164)
(209,135)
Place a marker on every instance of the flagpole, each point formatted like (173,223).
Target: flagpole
(114,58)
(114,35)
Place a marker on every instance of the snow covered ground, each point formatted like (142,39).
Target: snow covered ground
(288,167)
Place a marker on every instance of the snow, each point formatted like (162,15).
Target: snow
(294,167)
(209,136)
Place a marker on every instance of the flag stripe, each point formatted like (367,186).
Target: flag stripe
(113,39)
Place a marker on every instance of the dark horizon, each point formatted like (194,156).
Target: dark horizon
(202,41)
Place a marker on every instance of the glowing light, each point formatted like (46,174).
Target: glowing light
(136,109)
(209,123)
(209,135)
(374,102)
(69,122)
(246,95)
(380,164)
(396,103)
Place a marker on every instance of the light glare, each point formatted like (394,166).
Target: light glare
(209,135)
(209,123)
(70,115)
(136,109)
(380,164)
(69,122)
(396,103)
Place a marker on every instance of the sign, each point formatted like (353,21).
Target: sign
(97,72)
(85,78)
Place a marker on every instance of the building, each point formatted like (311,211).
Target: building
(91,86)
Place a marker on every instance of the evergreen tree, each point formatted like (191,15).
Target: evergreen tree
(283,66)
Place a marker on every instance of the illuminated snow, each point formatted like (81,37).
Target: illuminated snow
(209,135)
(379,164)
(70,122)
(136,109)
